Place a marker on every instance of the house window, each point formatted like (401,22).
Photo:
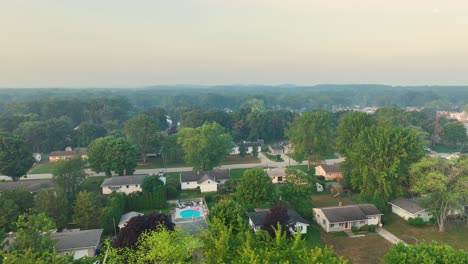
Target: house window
(332,225)
(324,222)
(362,222)
(128,186)
(318,216)
(208,181)
(187,183)
(341,224)
(136,185)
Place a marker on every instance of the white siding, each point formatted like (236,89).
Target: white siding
(405,214)
(189,185)
(209,186)
(127,189)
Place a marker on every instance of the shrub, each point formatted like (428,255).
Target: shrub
(355,229)
(320,178)
(432,221)
(417,221)
(171,191)
(209,198)
(372,228)
(364,228)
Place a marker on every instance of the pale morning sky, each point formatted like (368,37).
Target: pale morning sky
(102,43)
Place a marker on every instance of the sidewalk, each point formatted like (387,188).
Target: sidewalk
(388,236)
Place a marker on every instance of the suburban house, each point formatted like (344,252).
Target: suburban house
(125,184)
(276,149)
(277,175)
(295,223)
(330,172)
(248,147)
(68,153)
(80,243)
(340,218)
(32,186)
(207,181)
(126,217)
(409,208)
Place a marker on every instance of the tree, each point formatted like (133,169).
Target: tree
(15,158)
(230,214)
(349,127)
(255,150)
(142,131)
(254,187)
(30,256)
(33,133)
(379,162)
(443,185)
(160,246)
(33,232)
(311,136)
(206,146)
(12,204)
(277,217)
(86,132)
(68,174)
(454,133)
(392,116)
(136,226)
(87,209)
(110,154)
(150,183)
(54,204)
(242,150)
(425,253)
(299,184)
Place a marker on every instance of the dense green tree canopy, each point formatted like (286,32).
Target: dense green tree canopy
(254,187)
(379,162)
(13,203)
(15,158)
(142,131)
(311,136)
(206,146)
(86,132)
(87,209)
(425,253)
(33,232)
(230,213)
(349,127)
(110,154)
(68,174)
(392,116)
(150,183)
(54,203)
(454,133)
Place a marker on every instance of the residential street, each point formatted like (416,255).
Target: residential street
(264,162)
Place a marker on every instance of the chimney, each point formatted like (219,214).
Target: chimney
(340,204)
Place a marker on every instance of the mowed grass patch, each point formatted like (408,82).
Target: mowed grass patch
(369,249)
(92,184)
(327,199)
(156,163)
(237,159)
(455,234)
(40,168)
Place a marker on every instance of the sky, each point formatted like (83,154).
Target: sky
(117,43)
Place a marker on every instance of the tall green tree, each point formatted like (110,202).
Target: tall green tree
(230,213)
(454,133)
(15,158)
(86,132)
(311,136)
(54,203)
(142,131)
(34,134)
(349,127)
(392,116)
(150,183)
(206,146)
(87,209)
(443,184)
(33,232)
(13,203)
(425,253)
(110,154)
(380,160)
(254,187)
(68,174)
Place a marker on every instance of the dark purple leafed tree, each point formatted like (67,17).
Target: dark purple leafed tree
(278,214)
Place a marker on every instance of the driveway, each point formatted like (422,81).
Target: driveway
(388,236)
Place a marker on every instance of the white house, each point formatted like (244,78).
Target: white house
(277,175)
(248,147)
(79,243)
(340,218)
(206,181)
(295,223)
(409,208)
(125,184)
(126,217)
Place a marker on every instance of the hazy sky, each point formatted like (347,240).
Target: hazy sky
(95,43)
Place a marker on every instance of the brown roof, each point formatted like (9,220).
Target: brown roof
(333,168)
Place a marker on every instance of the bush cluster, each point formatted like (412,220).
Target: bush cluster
(417,221)
(364,228)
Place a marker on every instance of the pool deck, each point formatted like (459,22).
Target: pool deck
(176,211)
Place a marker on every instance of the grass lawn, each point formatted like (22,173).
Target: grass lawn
(236,159)
(368,249)
(312,238)
(156,163)
(236,174)
(304,168)
(446,148)
(456,234)
(43,167)
(273,157)
(327,199)
(165,210)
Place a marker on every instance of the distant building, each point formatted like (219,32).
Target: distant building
(68,153)
(330,172)
(124,184)
(206,181)
(276,149)
(340,218)
(79,243)
(32,186)
(296,223)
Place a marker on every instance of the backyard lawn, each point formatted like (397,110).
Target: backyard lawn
(456,234)
(43,167)
(273,157)
(368,249)
(156,163)
(236,159)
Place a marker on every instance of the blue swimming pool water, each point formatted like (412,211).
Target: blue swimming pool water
(189,213)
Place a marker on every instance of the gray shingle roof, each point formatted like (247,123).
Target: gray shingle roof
(409,205)
(123,180)
(259,216)
(32,186)
(216,175)
(71,240)
(336,214)
(126,217)
(275,172)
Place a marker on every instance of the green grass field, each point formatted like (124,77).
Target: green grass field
(45,167)
(236,159)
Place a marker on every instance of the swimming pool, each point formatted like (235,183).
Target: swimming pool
(190,213)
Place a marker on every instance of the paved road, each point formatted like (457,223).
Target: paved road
(264,162)
(388,236)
